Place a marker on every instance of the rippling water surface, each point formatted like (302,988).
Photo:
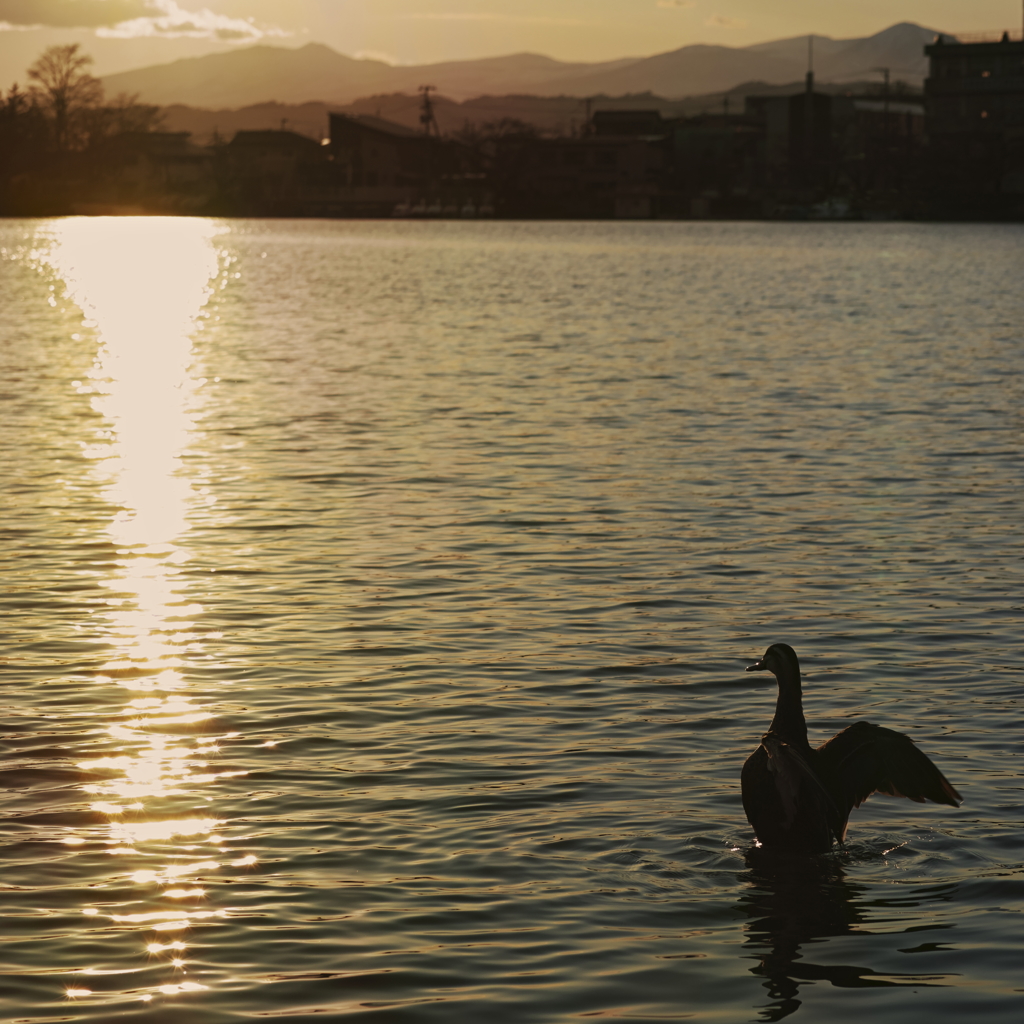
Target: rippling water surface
(377,598)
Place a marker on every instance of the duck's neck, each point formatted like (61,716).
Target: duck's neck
(789,711)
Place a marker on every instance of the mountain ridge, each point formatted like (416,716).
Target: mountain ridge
(315,72)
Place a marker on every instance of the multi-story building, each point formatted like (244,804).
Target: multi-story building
(975,98)
(390,169)
(274,173)
(595,176)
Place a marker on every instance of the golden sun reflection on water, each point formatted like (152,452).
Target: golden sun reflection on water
(141,284)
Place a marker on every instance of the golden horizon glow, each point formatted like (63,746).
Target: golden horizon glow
(427,31)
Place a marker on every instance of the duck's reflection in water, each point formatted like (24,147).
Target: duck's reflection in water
(793,901)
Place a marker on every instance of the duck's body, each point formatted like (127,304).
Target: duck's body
(800,798)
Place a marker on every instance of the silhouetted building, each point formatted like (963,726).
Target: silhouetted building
(391,169)
(648,123)
(881,148)
(381,154)
(598,176)
(975,97)
(799,152)
(829,155)
(717,170)
(276,173)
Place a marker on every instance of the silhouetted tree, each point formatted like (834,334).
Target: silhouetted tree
(21,122)
(60,143)
(24,140)
(66,91)
(123,114)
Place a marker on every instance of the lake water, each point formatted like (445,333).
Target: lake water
(377,598)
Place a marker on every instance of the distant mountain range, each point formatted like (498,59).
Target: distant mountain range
(265,74)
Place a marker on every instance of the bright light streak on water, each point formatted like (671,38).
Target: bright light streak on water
(141,286)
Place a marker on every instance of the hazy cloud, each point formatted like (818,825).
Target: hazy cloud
(386,58)
(166,19)
(677,3)
(74,13)
(131,19)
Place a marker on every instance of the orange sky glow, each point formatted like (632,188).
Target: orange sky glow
(123,34)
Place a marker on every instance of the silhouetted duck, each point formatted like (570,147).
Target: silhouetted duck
(798,798)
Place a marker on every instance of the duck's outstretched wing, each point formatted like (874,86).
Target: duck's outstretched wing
(866,759)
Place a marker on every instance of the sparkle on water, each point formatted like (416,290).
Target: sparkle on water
(381,593)
(141,286)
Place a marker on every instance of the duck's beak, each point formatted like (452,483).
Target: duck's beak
(759,667)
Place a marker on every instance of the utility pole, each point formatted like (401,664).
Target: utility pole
(809,113)
(885,102)
(427,118)
(885,127)
(430,130)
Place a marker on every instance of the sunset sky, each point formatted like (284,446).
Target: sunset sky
(123,34)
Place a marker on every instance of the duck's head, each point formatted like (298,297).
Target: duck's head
(780,660)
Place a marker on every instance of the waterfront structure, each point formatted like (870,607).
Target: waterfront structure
(975,101)
(367,167)
(274,173)
(858,150)
(716,165)
(389,168)
(381,154)
(883,151)
(595,176)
